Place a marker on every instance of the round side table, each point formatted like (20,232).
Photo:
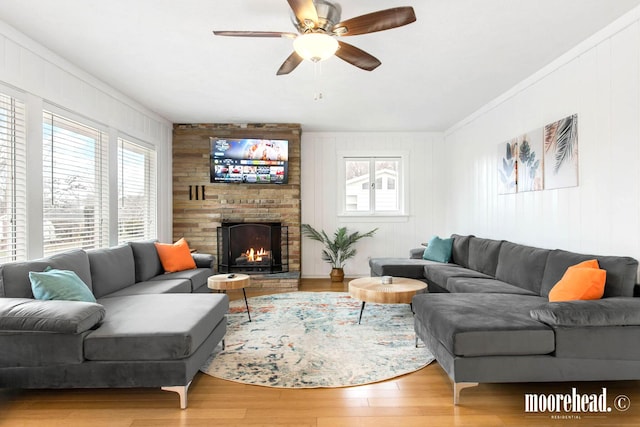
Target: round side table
(225,282)
(371,289)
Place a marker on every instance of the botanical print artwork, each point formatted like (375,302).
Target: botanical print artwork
(507,167)
(530,176)
(561,153)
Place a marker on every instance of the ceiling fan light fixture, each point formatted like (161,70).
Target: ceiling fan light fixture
(315,46)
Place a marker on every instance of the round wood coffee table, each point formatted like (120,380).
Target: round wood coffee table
(371,289)
(225,282)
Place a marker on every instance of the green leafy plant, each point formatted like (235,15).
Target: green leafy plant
(339,248)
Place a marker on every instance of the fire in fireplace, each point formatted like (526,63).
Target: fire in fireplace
(253,247)
(253,257)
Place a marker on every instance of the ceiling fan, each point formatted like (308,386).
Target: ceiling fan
(318,24)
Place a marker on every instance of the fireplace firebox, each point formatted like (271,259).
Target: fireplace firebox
(245,247)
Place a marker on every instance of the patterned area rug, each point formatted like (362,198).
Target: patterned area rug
(312,339)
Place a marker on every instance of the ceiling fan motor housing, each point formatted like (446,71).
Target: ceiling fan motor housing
(328,16)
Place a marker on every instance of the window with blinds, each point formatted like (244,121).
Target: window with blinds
(12,180)
(136,192)
(75,185)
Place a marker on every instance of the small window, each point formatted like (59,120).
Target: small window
(371,185)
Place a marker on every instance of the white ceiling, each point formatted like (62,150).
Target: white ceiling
(459,55)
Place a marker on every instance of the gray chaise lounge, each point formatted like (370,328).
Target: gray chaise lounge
(147,329)
(487,316)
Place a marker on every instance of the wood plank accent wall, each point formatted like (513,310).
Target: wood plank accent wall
(197,220)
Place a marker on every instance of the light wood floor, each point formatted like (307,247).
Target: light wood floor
(423,398)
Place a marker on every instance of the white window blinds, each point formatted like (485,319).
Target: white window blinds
(75,185)
(12,180)
(136,192)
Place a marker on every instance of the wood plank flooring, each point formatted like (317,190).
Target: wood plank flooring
(423,398)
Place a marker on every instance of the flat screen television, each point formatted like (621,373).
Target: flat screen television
(249,161)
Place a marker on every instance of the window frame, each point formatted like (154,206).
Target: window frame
(372,157)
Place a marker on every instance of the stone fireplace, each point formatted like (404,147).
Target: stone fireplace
(200,207)
(251,248)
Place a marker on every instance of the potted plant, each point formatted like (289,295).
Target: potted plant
(338,249)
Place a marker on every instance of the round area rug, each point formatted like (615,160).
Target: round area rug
(312,339)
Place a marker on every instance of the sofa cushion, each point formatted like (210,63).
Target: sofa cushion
(175,286)
(20,349)
(67,317)
(484,324)
(111,269)
(204,260)
(579,283)
(416,253)
(615,311)
(483,255)
(521,265)
(621,271)
(197,277)
(460,250)
(146,260)
(175,257)
(54,284)
(480,285)
(155,327)
(14,276)
(438,249)
(587,342)
(438,273)
(399,267)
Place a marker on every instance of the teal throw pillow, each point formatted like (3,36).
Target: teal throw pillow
(438,249)
(53,284)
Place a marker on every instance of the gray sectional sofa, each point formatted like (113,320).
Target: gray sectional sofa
(147,328)
(487,315)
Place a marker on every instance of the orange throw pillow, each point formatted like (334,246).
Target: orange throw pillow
(176,257)
(584,281)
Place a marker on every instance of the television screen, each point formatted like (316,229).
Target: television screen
(252,161)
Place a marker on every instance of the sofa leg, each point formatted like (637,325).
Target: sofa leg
(182,392)
(457,388)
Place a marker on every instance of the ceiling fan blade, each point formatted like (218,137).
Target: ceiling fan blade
(305,12)
(357,57)
(256,34)
(289,64)
(376,21)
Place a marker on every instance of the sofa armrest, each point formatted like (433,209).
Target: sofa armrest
(416,253)
(71,317)
(615,311)
(204,260)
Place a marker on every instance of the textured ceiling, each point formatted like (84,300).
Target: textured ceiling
(459,55)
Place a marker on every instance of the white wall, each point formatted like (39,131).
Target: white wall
(39,77)
(396,236)
(600,81)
